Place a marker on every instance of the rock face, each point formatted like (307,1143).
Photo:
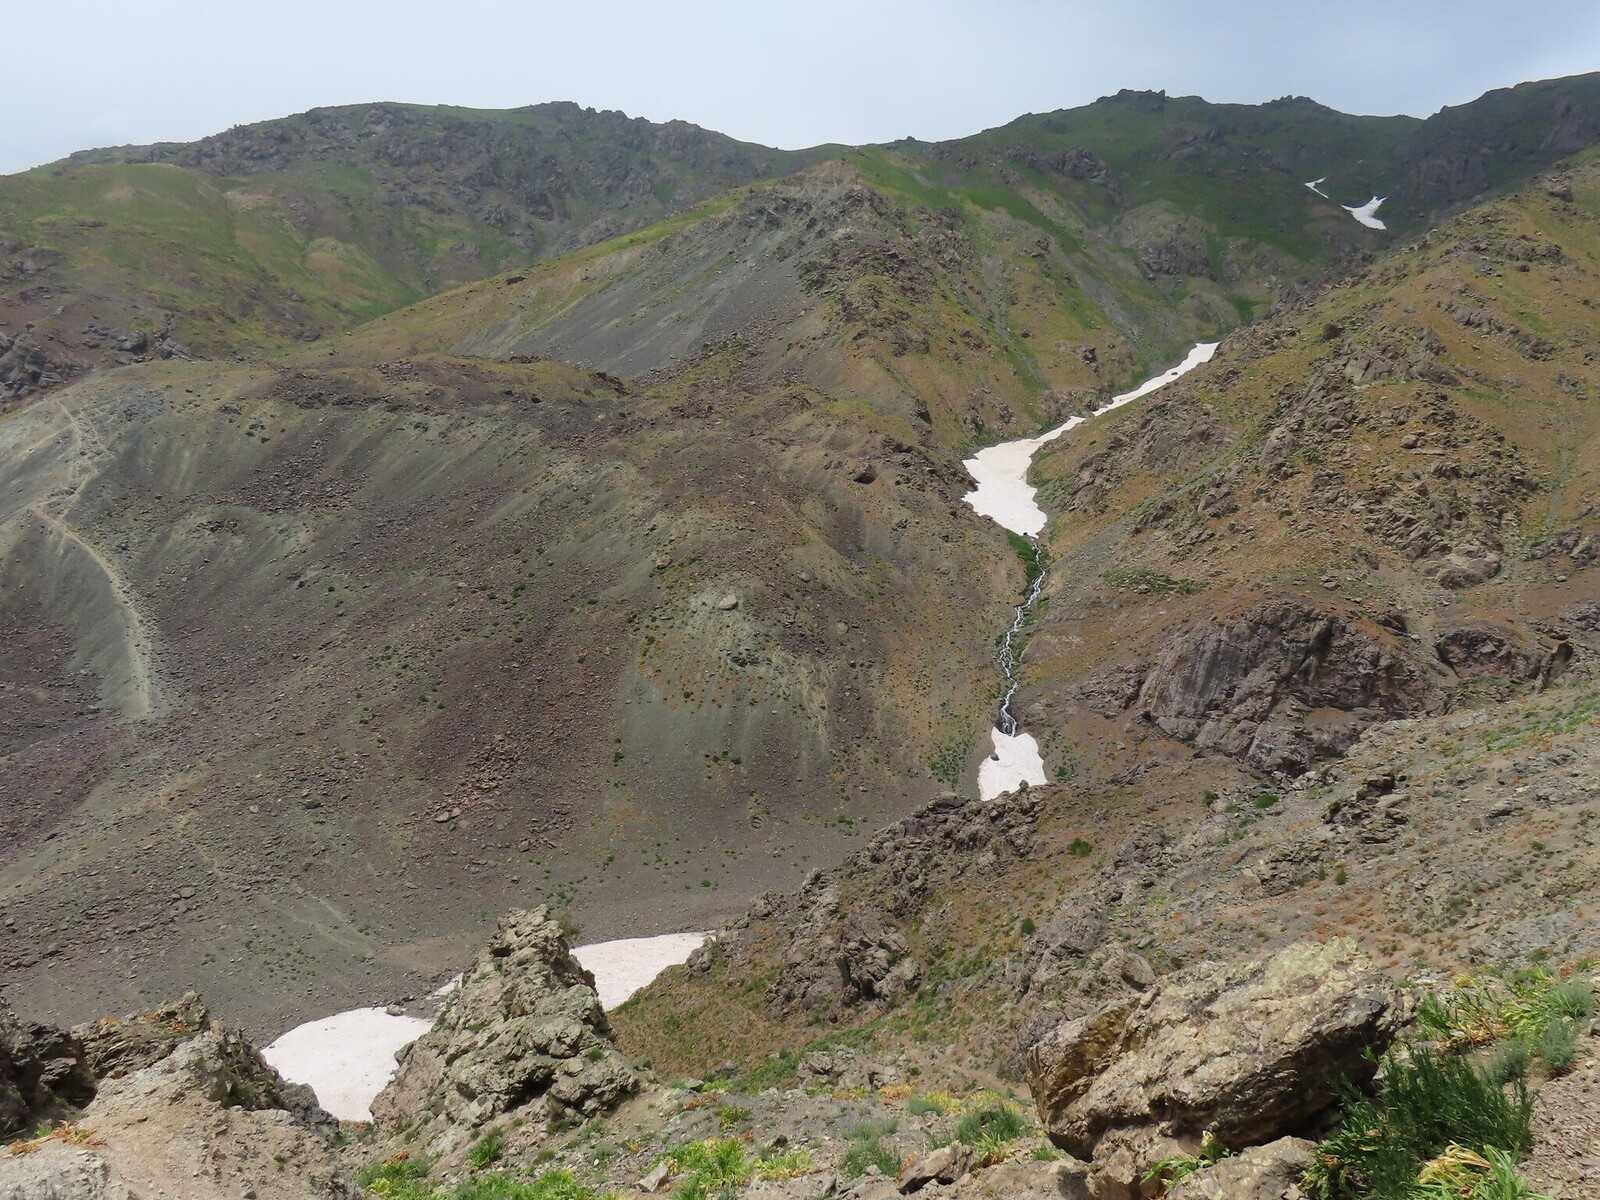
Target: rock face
(185,1108)
(524,1028)
(1482,649)
(113,1047)
(1243,686)
(1248,1052)
(23,367)
(841,946)
(1261,1173)
(42,1073)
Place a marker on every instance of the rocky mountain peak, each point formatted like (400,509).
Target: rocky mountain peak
(523,1031)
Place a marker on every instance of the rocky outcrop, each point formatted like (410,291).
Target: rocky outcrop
(1244,685)
(42,1073)
(185,1108)
(229,1071)
(114,1047)
(1247,1052)
(944,1165)
(1261,1173)
(524,1031)
(24,369)
(1483,649)
(840,958)
(840,942)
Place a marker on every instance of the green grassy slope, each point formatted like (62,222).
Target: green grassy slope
(296,228)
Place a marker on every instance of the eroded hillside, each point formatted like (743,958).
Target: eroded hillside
(311,672)
(1374,504)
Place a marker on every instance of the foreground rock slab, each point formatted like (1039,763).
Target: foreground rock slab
(1270,1172)
(1249,1052)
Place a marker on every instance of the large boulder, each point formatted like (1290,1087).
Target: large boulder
(1249,1052)
(525,1028)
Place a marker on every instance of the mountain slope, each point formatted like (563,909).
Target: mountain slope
(308,672)
(1375,504)
(299,227)
(1154,216)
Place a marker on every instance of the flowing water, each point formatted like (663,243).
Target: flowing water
(1005,495)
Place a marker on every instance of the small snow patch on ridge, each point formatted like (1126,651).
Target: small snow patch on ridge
(1366,213)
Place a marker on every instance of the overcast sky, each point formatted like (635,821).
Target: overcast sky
(81,73)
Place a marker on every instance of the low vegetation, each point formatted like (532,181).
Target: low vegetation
(406,1178)
(1452,1112)
(712,1166)
(1530,1014)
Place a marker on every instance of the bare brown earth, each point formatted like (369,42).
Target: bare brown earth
(316,672)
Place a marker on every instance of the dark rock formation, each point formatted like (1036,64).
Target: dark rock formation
(524,1031)
(1243,685)
(42,1073)
(24,369)
(1482,649)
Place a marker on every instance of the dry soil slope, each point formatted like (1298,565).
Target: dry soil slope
(313,671)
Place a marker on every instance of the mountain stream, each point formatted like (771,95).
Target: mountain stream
(1005,496)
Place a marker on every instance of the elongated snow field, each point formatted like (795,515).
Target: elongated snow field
(346,1059)
(1005,496)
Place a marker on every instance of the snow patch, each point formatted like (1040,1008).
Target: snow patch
(1364,214)
(1316,186)
(1015,761)
(624,966)
(346,1059)
(1003,493)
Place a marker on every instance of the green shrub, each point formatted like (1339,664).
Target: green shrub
(716,1165)
(1558,1045)
(991,1127)
(486,1149)
(1462,1174)
(1080,848)
(552,1185)
(919,1106)
(1423,1105)
(400,1178)
(1535,1007)
(1027,927)
(1510,1062)
(869,1152)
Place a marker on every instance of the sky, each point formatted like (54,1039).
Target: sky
(97,73)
